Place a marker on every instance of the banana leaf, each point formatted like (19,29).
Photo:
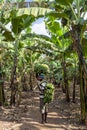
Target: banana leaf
(35,11)
(64,2)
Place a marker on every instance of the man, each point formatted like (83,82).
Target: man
(43,106)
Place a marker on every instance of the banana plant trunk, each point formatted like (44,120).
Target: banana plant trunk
(75,34)
(65,79)
(31,81)
(2,95)
(74,85)
(85,89)
(13,85)
(82,95)
(13,70)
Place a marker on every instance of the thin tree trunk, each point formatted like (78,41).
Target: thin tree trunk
(12,85)
(85,90)
(82,96)
(86,97)
(13,100)
(2,95)
(65,80)
(13,76)
(63,83)
(75,34)
(84,79)
(74,81)
(13,71)
(14,90)
(31,79)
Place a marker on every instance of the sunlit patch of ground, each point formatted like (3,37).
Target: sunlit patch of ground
(61,116)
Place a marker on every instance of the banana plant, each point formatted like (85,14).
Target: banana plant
(30,56)
(2,95)
(56,31)
(72,14)
(19,19)
(72,63)
(18,24)
(2,74)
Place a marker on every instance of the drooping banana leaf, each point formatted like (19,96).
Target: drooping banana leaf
(35,11)
(64,2)
(6,33)
(57,15)
(21,22)
(33,35)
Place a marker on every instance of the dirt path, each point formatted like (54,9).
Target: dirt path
(61,116)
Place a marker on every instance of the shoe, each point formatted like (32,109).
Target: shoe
(45,121)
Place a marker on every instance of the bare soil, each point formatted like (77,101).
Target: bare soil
(61,116)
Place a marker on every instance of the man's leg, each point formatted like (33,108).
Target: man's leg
(46,112)
(43,114)
(46,117)
(42,110)
(42,118)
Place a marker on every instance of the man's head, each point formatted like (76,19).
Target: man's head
(41,77)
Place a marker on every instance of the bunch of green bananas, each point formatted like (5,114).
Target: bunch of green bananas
(49,93)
